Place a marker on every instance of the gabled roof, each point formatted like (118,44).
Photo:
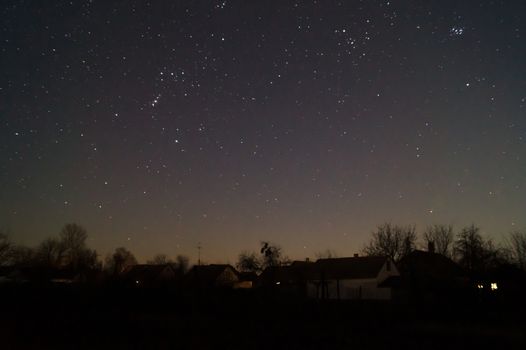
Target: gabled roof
(430,265)
(209,273)
(328,269)
(145,272)
(349,268)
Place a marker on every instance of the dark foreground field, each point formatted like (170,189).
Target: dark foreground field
(125,319)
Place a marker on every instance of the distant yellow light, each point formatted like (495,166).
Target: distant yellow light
(480,286)
(494,286)
(278,282)
(137,282)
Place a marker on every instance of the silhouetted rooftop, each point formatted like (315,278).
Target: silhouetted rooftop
(350,268)
(145,272)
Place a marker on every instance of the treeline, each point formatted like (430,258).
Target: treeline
(467,246)
(69,251)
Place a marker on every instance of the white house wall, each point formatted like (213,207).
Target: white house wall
(349,289)
(365,288)
(384,272)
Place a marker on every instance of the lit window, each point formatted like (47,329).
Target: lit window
(480,286)
(494,286)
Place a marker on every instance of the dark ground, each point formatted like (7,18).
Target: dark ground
(69,318)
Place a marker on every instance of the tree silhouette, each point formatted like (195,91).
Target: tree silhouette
(441,237)
(391,241)
(160,259)
(75,254)
(326,254)
(248,262)
(23,256)
(272,255)
(50,252)
(5,248)
(117,262)
(469,248)
(476,254)
(517,247)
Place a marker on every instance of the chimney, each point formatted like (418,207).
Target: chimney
(355,255)
(431,247)
(307,259)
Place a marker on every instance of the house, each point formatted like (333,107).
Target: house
(431,277)
(350,278)
(212,276)
(247,280)
(146,275)
(338,278)
(288,279)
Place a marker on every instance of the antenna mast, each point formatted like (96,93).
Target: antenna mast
(199,254)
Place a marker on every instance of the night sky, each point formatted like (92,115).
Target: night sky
(158,125)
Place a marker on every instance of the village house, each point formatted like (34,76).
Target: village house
(146,276)
(337,278)
(351,278)
(247,280)
(430,277)
(212,276)
(288,279)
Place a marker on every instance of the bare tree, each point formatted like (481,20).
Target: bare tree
(441,237)
(117,262)
(248,262)
(272,255)
(391,241)
(469,248)
(475,253)
(50,252)
(73,239)
(87,259)
(517,247)
(326,254)
(5,248)
(160,259)
(23,256)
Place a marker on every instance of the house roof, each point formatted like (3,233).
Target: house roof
(430,265)
(145,271)
(209,273)
(336,268)
(349,268)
